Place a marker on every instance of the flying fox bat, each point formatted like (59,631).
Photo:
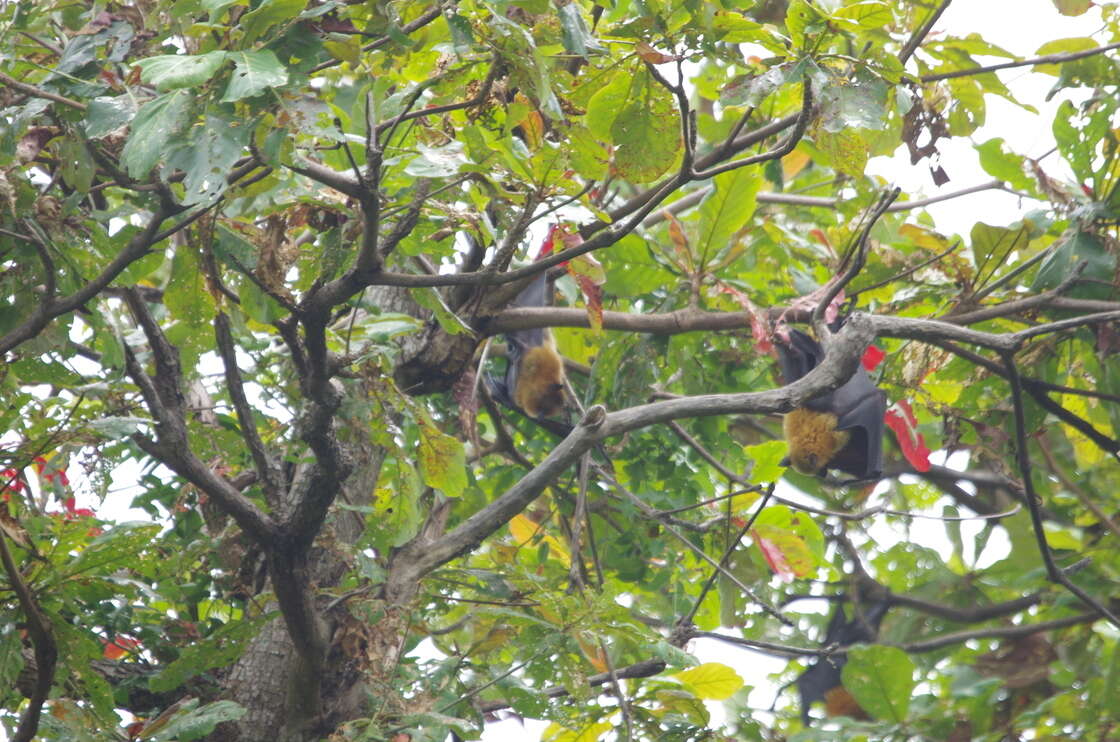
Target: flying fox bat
(822,681)
(842,429)
(534,380)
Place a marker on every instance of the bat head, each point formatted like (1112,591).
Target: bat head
(551,400)
(813,440)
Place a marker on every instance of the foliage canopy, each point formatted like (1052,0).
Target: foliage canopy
(251,251)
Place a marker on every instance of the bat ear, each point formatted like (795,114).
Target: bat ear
(785,461)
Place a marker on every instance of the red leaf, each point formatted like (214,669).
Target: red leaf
(872,357)
(773,556)
(549,241)
(760,325)
(900,419)
(119,647)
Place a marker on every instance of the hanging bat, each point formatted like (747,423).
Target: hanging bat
(534,381)
(842,429)
(822,681)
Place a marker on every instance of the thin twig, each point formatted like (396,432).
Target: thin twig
(35,92)
(1054,573)
(903,274)
(686,620)
(916,40)
(1045,59)
(859,253)
(1077,490)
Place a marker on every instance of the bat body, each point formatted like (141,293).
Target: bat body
(842,429)
(822,681)
(534,381)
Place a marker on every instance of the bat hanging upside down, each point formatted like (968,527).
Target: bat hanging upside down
(534,381)
(842,429)
(823,680)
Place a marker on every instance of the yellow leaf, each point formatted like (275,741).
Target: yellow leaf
(592,733)
(443,460)
(945,392)
(793,163)
(525,531)
(1086,453)
(711,680)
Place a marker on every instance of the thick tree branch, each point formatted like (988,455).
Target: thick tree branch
(268,472)
(46,311)
(42,639)
(644,669)
(172,448)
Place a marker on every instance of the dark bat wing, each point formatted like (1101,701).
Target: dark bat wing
(825,674)
(799,357)
(860,408)
(816,682)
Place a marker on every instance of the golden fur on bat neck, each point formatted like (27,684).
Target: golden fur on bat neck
(813,439)
(540,381)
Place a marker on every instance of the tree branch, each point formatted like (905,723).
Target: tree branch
(1054,573)
(1045,59)
(916,40)
(46,311)
(42,639)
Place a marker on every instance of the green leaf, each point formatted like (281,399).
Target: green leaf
(107,114)
(1067,254)
(396,517)
(868,14)
(1073,7)
(155,124)
(646,133)
(11,656)
(219,649)
(846,150)
(429,298)
(767,458)
(992,245)
(881,679)
(176,71)
(443,460)
(575,35)
(115,547)
(266,15)
(587,155)
(802,19)
(195,723)
(117,427)
(253,73)
(437,162)
(727,208)
(1007,166)
(208,157)
(187,297)
(604,106)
